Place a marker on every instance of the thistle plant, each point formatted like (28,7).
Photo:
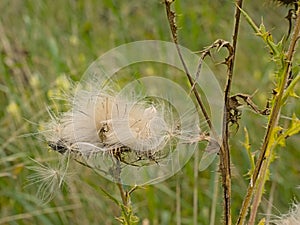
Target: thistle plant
(285,84)
(102,128)
(135,137)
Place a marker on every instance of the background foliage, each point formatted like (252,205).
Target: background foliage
(45,45)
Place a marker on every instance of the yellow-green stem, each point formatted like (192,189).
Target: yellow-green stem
(273,120)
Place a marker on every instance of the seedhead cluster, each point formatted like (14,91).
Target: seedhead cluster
(136,133)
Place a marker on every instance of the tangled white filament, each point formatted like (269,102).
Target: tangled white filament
(103,123)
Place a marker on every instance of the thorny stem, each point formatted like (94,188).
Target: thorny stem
(225,150)
(123,193)
(224,153)
(173,28)
(273,120)
(259,191)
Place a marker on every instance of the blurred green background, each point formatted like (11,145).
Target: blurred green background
(45,44)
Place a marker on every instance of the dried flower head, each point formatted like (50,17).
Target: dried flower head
(147,129)
(111,125)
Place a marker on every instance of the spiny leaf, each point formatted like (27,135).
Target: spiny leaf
(277,49)
(261,31)
(277,131)
(127,218)
(293,129)
(249,20)
(290,91)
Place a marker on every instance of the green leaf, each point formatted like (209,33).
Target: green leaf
(276,49)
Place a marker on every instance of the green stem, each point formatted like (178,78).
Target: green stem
(273,121)
(259,192)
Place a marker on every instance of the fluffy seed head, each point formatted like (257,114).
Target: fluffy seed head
(106,123)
